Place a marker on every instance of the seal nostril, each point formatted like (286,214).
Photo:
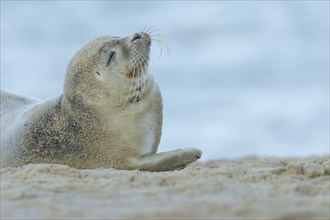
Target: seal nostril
(136,37)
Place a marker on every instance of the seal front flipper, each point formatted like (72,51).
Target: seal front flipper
(167,161)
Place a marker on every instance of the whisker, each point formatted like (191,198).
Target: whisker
(145,75)
(144,30)
(148,75)
(129,90)
(136,73)
(149,30)
(139,81)
(149,78)
(152,30)
(126,86)
(140,29)
(161,43)
(156,35)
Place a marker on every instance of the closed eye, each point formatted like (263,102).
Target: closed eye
(112,56)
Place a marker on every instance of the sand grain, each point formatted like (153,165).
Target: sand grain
(249,187)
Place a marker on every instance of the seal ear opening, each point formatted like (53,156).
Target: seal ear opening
(98,73)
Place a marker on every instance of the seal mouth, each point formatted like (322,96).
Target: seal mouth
(131,74)
(138,70)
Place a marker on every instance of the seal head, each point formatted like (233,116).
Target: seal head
(106,79)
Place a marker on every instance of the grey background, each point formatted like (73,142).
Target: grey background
(238,77)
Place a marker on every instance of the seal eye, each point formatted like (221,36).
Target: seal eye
(112,56)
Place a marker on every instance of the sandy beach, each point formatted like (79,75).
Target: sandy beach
(249,187)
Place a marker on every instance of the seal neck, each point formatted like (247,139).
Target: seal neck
(76,109)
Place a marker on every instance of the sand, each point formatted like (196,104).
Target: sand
(250,187)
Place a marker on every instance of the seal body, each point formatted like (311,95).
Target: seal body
(109,114)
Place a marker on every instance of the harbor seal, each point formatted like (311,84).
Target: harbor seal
(108,116)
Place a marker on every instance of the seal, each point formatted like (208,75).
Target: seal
(108,116)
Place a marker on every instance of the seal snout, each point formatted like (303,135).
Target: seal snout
(136,36)
(141,36)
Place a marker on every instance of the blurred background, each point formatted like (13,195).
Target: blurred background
(238,78)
